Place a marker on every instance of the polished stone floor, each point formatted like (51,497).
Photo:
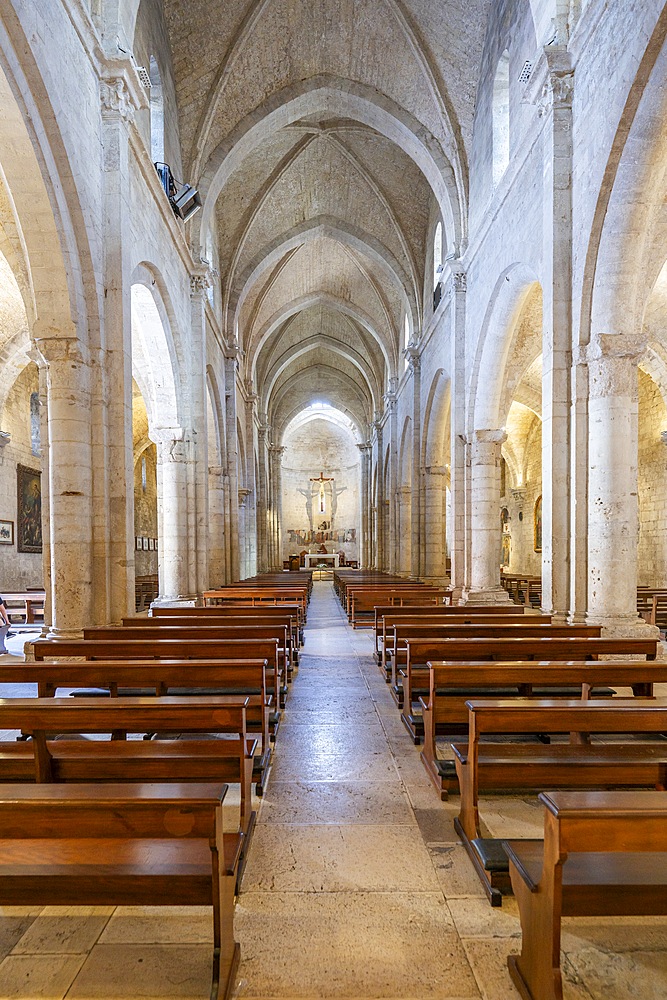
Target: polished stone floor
(356,886)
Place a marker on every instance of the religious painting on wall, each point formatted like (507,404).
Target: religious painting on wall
(6,532)
(537,524)
(28,509)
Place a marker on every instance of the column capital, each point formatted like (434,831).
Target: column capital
(200,282)
(460,280)
(365,448)
(277,449)
(53,349)
(497,435)
(118,101)
(612,362)
(243,495)
(558,89)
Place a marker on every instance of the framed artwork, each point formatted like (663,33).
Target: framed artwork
(151,545)
(29,509)
(137,543)
(6,532)
(145,544)
(537,525)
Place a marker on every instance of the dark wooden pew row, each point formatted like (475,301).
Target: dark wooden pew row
(170,649)
(122,845)
(342,578)
(421,651)
(241,678)
(577,764)
(222,611)
(195,630)
(410,681)
(603,854)
(258,597)
(398,632)
(458,613)
(445,713)
(361,602)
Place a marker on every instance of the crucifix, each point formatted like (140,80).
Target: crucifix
(322,499)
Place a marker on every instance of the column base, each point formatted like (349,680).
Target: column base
(623,626)
(174,602)
(494,595)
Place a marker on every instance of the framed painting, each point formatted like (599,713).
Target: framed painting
(137,543)
(28,509)
(144,542)
(537,525)
(6,532)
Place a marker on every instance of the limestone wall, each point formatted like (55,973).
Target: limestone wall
(18,569)
(652,480)
(145,511)
(320,447)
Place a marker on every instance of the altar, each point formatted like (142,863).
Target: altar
(315,558)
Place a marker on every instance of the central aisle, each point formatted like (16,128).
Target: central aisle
(342,897)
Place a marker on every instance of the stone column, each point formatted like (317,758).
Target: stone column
(556,108)
(457,437)
(276,453)
(232,463)
(404,498)
(46,519)
(435,542)
(217,475)
(613,511)
(417,520)
(262,499)
(121,96)
(70,482)
(380,559)
(391,406)
(250,500)
(485,585)
(364,548)
(199,284)
(172,481)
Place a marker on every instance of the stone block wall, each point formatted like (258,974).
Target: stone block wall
(652,480)
(321,447)
(145,511)
(18,569)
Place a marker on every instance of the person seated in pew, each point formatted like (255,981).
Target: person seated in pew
(4,625)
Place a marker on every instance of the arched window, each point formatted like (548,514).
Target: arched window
(157,113)
(501,118)
(437,255)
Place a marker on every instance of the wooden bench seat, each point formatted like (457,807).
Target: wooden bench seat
(123,845)
(387,616)
(603,854)
(244,678)
(451,685)
(170,649)
(361,602)
(56,756)
(414,680)
(572,769)
(409,683)
(287,614)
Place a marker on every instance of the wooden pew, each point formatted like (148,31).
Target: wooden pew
(466,613)
(410,682)
(603,854)
(421,651)
(561,765)
(122,845)
(258,597)
(169,649)
(246,678)
(361,601)
(29,604)
(195,630)
(451,685)
(222,611)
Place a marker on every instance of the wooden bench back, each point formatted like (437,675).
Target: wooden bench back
(544,648)
(555,715)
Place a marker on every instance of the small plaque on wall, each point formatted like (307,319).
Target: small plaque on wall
(145,544)
(6,532)
(137,543)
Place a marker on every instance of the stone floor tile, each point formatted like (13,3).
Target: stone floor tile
(507,816)
(38,977)
(435,825)
(129,971)
(614,933)
(455,872)
(313,802)
(618,975)
(64,930)
(476,918)
(359,945)
(159,925)
(14,922)
(338,858)
(334,767)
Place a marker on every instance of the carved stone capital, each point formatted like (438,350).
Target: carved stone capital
(460,281)
(200,284)
(116,100)
(52,350)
